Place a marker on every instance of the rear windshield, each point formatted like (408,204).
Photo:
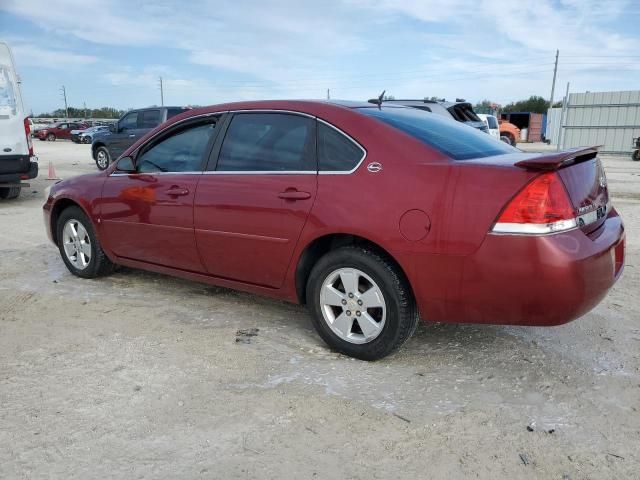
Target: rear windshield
(454,139)
(7,93)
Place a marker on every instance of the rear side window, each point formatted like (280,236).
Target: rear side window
(172,112)
(268,142)
(336,152)
(149,119)
(454,139)
(181,152)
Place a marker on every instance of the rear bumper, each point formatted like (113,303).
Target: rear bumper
(20,173)
(526,280)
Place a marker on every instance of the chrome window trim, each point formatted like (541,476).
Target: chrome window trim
(260,172)
(353,140)
(123,174)
(256,172)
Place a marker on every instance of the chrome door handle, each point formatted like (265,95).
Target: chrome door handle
(132,135)
(294,195)
(176,191)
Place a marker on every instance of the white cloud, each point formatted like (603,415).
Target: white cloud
(42,56)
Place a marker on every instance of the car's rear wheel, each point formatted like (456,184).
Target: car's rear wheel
(636,156)
(51,137)
(9,193)
(102,158)
(506,139)
(360,302)
(79,246)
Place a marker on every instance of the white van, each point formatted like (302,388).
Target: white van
(17,162)
(492,124)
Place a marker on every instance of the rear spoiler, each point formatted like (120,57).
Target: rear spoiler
(558,160)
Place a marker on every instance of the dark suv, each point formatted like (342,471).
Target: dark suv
(109,145)
(459,110)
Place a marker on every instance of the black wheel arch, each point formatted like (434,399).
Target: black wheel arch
(56,210)
(95,146)
(324,244)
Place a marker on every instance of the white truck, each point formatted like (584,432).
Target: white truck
(17,162)
(492,124)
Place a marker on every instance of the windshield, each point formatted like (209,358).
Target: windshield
(7,92)
(454,139)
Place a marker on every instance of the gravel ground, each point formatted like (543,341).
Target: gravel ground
(144,376)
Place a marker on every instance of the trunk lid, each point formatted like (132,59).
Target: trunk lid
(581,172)
(583,176)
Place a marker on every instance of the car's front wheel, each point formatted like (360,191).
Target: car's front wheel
(360,302)
(86,139)
(79,246)
(102,158)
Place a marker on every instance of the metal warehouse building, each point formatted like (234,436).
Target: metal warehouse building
(611,119)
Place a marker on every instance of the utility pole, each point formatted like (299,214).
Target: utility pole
(85,109)
(161,92)
(328,95)
(563,113)
(64,95)
(553,84)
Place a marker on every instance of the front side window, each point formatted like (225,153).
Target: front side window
(335,151)
(454,139)
(268,142)
(129,122)
(149,119)
(492,122)
(181,152)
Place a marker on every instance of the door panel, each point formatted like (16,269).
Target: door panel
(149,217)
(244,230)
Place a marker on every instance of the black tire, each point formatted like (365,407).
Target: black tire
(51,137)
(402,314)
(103,159)
(99,264)
(636,156)
(506,139)
(9,193)
(86,140)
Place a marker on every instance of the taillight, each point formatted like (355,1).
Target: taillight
(27,131)
(543,206)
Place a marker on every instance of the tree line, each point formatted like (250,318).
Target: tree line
(104,112)
(534,103)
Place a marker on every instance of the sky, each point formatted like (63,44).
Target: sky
(112,52)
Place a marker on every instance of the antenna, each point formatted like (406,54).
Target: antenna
(380,99)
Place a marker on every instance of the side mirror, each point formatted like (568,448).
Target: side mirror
(113,128)
(126,165)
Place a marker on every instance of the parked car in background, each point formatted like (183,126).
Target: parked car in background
(35,127)
(372,216)
(109,145)
(86,136)
(509,133)
(492,124)
(460,111)
(17,162)
(59,130)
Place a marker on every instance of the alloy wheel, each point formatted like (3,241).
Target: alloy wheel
(77,244)
(353,305)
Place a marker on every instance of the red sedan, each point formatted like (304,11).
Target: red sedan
(59,130)
(372,216)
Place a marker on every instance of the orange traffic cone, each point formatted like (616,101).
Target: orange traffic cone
(52,172)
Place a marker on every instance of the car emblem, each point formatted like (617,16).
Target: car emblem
(374,167)
(603,181)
